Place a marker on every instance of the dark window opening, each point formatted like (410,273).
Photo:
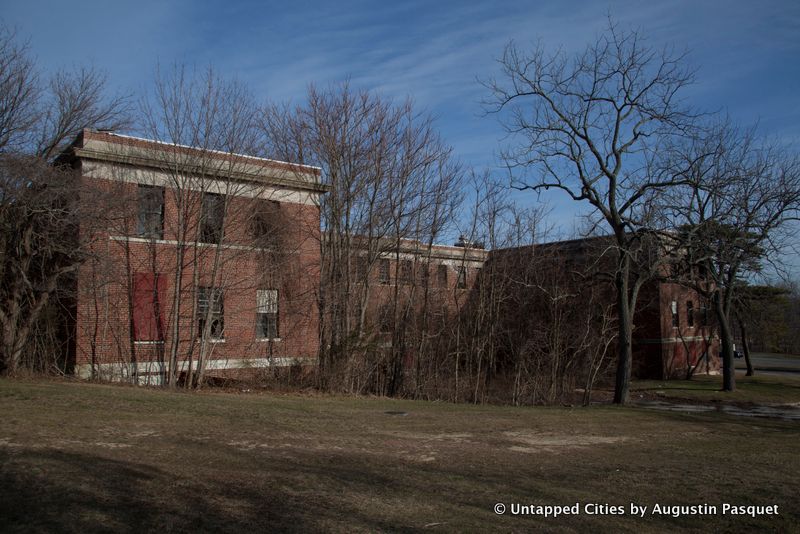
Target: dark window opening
(266,224)
(150,217)
(362,269)
(441,275)
(461,282)
(690,313)
(212,218)
(406,271)
(383,273)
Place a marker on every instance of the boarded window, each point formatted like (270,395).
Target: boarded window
(150,216)
(211,312)
(148,307)
(267,314)
(212,218)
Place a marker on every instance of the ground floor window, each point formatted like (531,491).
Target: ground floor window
(267,314)
(210,312)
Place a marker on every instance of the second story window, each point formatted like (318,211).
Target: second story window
(675,318)
(383,271)
(441,275)
(361,268)
(266,224)
(212,218)
(406,271)
(461,283)
(150,212)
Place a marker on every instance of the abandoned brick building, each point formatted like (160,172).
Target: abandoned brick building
(212,265)
(190,271)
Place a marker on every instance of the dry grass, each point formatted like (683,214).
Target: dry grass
(81,457)
(758,389)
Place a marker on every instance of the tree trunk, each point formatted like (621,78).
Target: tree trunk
(745,346)
(625,334)
(726,341)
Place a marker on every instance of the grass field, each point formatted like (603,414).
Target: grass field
(81,457)
(759,389)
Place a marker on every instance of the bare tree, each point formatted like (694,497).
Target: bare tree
(42,204)
(735,214)
(592,125)
(391,180)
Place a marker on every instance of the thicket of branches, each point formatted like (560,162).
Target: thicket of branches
(41,203)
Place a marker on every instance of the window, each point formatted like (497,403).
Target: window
(150,217)
(267,314)
(362,270)
(704,315)
(212,218)
(689,313)
(441,275)
(425,274)
(266,224)
(461,282)
(383,272)
(210,307)
(675,318)
(148,307)
(406,271)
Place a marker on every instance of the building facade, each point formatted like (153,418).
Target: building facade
(211,265)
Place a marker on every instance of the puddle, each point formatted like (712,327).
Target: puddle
(772,412)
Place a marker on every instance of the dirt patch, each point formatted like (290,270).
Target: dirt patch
(530,442)
(458,437)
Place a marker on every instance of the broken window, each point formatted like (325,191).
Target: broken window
(212,218)
(210,311)
(267,314)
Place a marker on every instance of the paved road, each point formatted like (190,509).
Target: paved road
(772,363)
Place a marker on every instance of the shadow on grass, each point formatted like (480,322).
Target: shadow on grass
(56,491)
(49,490)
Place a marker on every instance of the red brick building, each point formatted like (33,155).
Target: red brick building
(211,264)
(673,327)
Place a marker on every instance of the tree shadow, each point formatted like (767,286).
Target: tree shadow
(47,490)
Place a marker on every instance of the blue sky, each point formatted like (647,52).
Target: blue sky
(747,54)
